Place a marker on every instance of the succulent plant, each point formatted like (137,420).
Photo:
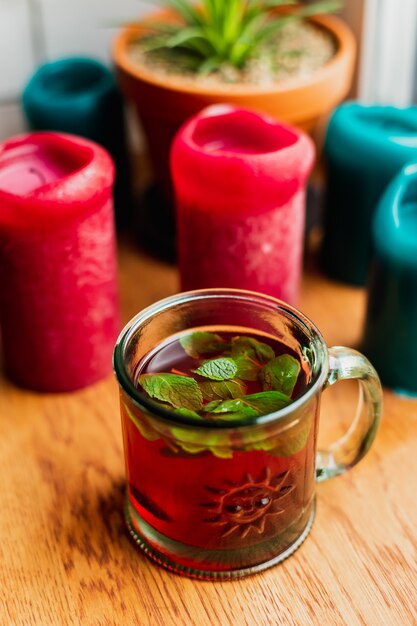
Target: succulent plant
(214,33)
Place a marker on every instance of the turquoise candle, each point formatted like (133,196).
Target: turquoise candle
(390,336)
(80,96)
(365,147)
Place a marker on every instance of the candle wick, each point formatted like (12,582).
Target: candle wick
(39,174)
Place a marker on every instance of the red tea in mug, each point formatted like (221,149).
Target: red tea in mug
(212,491)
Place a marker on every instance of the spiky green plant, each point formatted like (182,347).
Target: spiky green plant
(214,33)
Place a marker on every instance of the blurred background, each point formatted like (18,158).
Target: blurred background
(35,31)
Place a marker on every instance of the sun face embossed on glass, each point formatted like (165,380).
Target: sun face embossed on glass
(243,508)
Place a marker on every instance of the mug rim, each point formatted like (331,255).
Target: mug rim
(156,411)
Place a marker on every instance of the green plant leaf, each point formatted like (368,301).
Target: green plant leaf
(198,46)
(222,389)
(239,52)
(182,392)
(280,374)
(233,18)
(141,424)
(222,368)
(250,347)
(252,405)
(209,65)
(208,408)
(185,34)
(247,369)
(154,42)
(242,412)
(219,45)
(271,27)
(233,409)
(202,343)
(290,442)
(243,46)
(249,355)
(187,10)
(188,413)
(194,442)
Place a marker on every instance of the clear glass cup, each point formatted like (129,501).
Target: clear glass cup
(211,499)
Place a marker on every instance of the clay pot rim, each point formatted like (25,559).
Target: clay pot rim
(342,34)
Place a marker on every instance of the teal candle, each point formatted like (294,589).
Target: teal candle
(365,147)
(80,96)
(390,336)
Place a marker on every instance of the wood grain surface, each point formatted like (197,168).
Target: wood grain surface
(65,556)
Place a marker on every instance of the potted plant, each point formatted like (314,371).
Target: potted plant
(188,56)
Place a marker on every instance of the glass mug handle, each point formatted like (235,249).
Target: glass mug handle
(346,451)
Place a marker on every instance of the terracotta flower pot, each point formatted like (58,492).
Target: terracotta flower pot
(164,105)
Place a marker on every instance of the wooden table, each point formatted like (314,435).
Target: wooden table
(65,556)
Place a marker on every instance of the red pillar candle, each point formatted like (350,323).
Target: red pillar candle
(239,181)
(58,294)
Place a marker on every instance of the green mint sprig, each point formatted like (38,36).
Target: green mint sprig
(280,374)
(251,349)
(251,405)
(218,369)
(202,343)
(219,389)
(222,389)
(182,392)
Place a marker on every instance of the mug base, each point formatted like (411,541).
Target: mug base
(165,552)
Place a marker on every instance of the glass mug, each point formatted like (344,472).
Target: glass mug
(212,499)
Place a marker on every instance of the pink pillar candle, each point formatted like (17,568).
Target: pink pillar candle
(58,292)
(239,180)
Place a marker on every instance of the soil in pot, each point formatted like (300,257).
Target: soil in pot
(296,52)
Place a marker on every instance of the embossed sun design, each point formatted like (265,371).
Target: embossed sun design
(244,507)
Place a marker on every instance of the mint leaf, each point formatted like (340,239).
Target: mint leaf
(182,392)
(188,413)
(208,408)
(252,348)
(247,369)
(280,374)
(188,440)
(217,369)
(202,344)
(142,425)
(222,389)
(293,440)
(267,401)
(194,442)
(252,405)
(233,410)
(262,402)
(249,355)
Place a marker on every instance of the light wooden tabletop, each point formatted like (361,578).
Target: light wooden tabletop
(65,555)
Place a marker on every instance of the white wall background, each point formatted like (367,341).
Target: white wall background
(33,31)
(388,62)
